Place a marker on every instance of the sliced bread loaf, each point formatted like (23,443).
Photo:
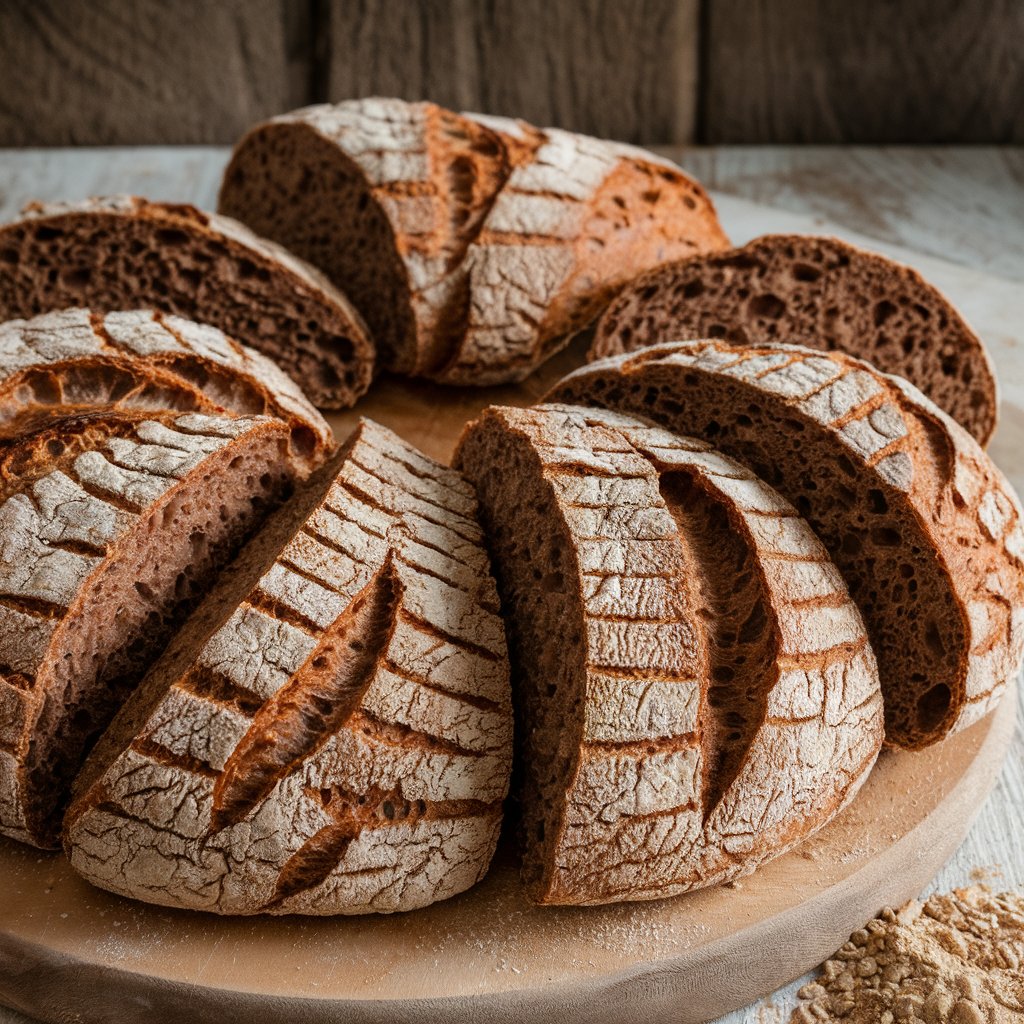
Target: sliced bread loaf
(110,527)
(123,252)
(384,196)
(924,527)
(331,731)
(818,292)
(75,361)
(695,692)
(472,245)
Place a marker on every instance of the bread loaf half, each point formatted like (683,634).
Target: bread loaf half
(75,361)
(818,292)
(331,732)
(924,527)
(695,692)
(472,245)
(384,196)
(123,252)
(110,527)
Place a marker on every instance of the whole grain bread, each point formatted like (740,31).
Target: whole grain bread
(110,527)
(123,252)
(76,361)
(924,527)
(331,731)
(384,196)
(814,291)
(472,245)
(694,689)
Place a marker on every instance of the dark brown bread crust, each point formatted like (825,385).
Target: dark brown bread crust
(814,291)
(125,253)
(111,526)
(924,527)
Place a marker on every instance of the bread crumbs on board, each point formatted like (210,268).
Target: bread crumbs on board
(953,959)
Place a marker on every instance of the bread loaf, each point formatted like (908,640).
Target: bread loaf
(382,195)
(123,252)
(110,526)
(75,361)
(331,732)
(923,526)
(818,292)
(472,245)
(695,692)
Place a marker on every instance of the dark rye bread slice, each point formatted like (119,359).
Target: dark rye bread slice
(331,731)
(110,527)
(819,292)
(694,689)
(123,252)
(572,224)
(924,527)
(76,361)
(382,195)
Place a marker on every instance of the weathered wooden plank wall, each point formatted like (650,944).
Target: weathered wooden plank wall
(649,71)
(876,71)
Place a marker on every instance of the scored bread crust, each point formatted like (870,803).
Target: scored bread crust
(76,361)
(433,174)
(389,793)
(104,537)
(655,794)
(814,291)
(202,266)
(571,224)
(910,507)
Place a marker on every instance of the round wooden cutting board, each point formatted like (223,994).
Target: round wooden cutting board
(71,952)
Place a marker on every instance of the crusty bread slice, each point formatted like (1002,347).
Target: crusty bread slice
(569,227)
(75,361)
(924,527)
(473,245)
(384,196)
(331,731)
(695,692)
(123,252)
(814,291)
(110,526)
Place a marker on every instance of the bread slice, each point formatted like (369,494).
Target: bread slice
(569,227)
(384,196)
(818,292)
(924,527)
(471,244)
(695,692)
(75,361)
(331,732)
(123,252)
(110,526)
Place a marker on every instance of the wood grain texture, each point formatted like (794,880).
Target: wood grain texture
(808,71)
(114,71)
(920,210)
(626,71)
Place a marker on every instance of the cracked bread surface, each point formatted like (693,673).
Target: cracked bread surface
(75,361)
(123,253)
(923,526)
(382,195)
(815,291)
(473,245)
(694,690)
(331,731)
(111,527)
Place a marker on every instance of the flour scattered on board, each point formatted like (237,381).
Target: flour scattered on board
(956,959)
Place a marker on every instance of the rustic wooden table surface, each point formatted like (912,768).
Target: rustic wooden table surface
(963,205)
